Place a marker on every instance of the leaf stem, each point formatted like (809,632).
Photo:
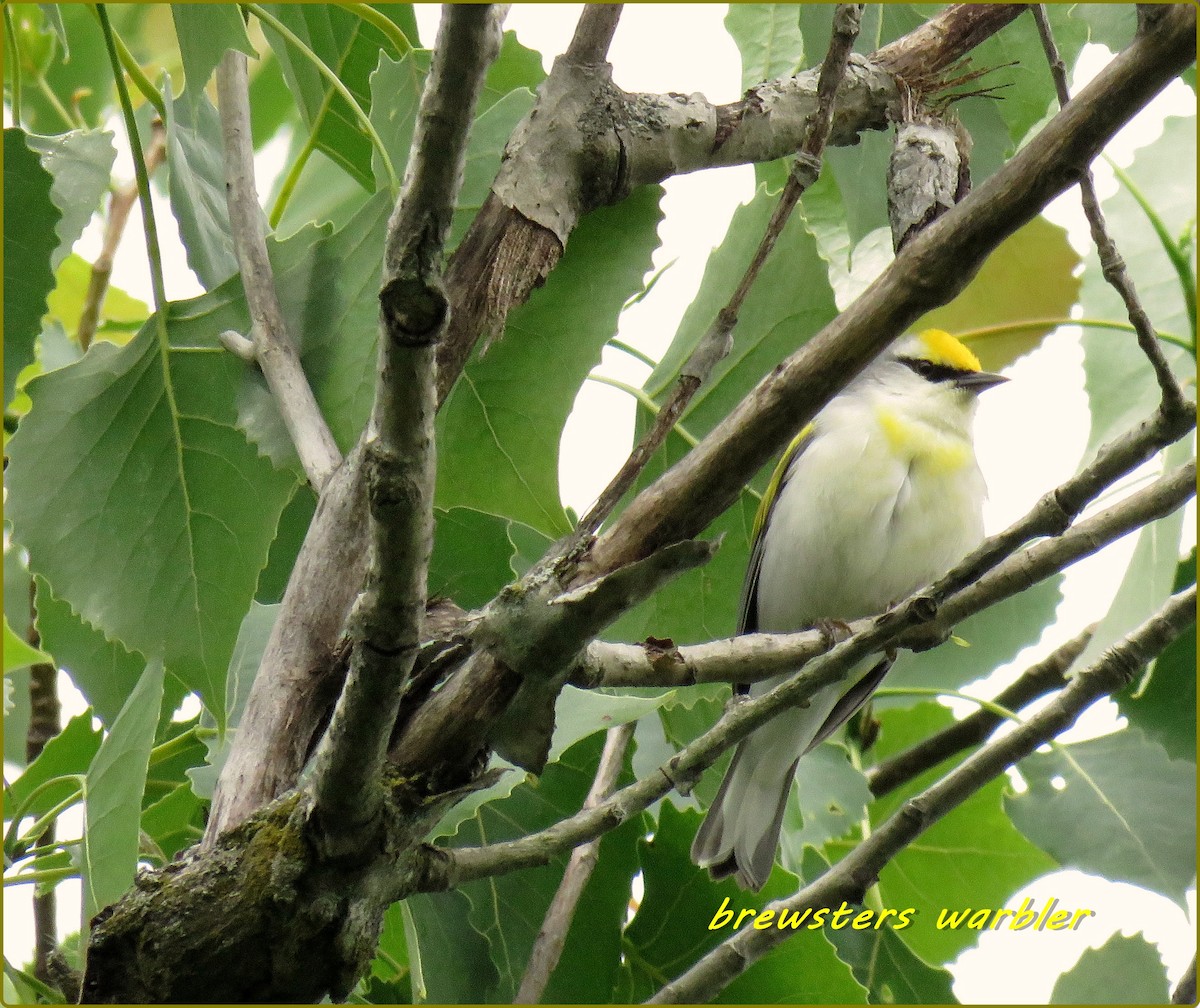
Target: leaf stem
(143,179)
(291,180)
(388,27)
(47,875)
(987,332)
(335,82)
(1183,266)
(125,61)
(633,352)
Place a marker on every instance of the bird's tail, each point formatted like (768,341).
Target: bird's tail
(741,831)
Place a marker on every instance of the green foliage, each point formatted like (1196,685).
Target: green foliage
(1117,806)
(179,586)
(112,795)
(28,275)
(1125,970)
(974,857)
(157,497)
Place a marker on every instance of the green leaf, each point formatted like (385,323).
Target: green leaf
(1116,806)
(396,976)
(768,38)
(472,556)
(113,790)
(289,537)
(673,928)
(508,909)
(271,102)
(883,963)
(1125,970)
(1150,574)
(1164,703)
(66,302)
(517,66)
(830,801)
(197,184)
(17,594)
(1119,382)
(455,957)
(103,671)
(204,32)
(396,87)
(880,958)
(70,752)
(163,514)
(174,822)
(500,428)
(973,857)
(243,664)
(19,654)
(351,48)
(81,162)
(323,194)
(29,241)
(1039,249)
(86,74)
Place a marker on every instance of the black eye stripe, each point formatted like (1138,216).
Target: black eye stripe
(932,371)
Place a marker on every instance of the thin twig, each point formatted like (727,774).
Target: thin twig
(715,344)
(854,874)
(119,205)
(1111,263)
(385,626)
(548,946)
(274,350)
(594,33)
(1044,677)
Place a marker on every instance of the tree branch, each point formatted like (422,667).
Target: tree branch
(1046,676)
(520,233)
(1111,263)
(930,271)
(906,625)
(594,33)
(852,876)
(385,626)
(273,348)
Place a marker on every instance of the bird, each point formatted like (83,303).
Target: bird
(879,495)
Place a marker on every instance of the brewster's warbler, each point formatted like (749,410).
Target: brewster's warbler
(878,496)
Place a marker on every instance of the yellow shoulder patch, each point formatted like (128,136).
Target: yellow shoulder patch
(945,349)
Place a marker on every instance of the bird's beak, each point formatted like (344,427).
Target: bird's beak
(978,381)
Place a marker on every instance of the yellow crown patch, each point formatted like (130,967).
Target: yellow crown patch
(945,349)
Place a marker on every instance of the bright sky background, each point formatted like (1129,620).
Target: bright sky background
(1045,395)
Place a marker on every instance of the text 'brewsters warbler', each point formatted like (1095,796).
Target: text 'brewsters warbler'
(879,495)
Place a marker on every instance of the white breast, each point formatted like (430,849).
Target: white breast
(866,517)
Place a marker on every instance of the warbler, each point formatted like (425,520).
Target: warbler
(879,495)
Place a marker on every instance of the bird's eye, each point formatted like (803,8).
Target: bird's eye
(930,370)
